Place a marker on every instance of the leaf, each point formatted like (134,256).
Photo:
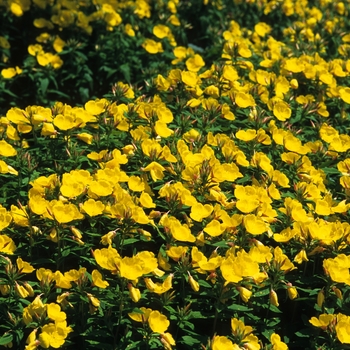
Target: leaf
(5,339)
(189,340)
(125,69)
(196,314)
(331,171)
(262,293)
(44,85)
(236,307)
(274,308)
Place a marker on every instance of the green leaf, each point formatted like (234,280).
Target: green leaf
(188,340)
(5,339)
(236,307)
(44,85)
(274,308)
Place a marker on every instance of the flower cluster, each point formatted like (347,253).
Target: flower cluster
(219,191)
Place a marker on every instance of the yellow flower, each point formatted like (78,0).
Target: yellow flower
(92,207)
(159,288)
(301,256)
(158,322)
(100,188)
(323,321)
(262,29)
(281,261)
(64,122)
(342,328)
(54,312)
(229,73)
(246,135)
(85,137)
(234,268)
(189,78)
(70,187)
(181,232)
(141,317)
(7,245)
(214,228)
(97,280)
(254,224)
(36,309)
(161,31)
(345,94)
(243,334)
(54,334)
(64,213)
(156,171)
(177,252)
(282,111)
(129,30)
(338,268)
(220,342)
(244,100)
(24,267)
(16,9)
(107,258)
(5,217)
(195,63)
(162,130)
(6,150)
(152,46)
(8,73)
(200,211)
(276,342)
(146,200)
(191,136)
(130,268)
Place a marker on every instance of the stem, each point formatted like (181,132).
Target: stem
(215,320)
(121,308)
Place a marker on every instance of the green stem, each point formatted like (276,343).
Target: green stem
(121,308)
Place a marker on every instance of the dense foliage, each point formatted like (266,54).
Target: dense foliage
(174,174)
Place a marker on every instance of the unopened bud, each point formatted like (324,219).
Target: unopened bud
(134,293)
(244,293)
(292,291)
(29,289)
(193,283)
(21,291)
(274,298)
(320,298)
(338,293)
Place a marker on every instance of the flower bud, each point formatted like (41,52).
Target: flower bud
(244,293)
(274,298)
(193,283)
(76,232)
(338,293)
(4,289)
(135,293)
(292,291)
(93,300)
(21,291)
(29,289)
(320,298)
(294,84)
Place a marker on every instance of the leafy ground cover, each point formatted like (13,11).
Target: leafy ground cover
(174,174)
